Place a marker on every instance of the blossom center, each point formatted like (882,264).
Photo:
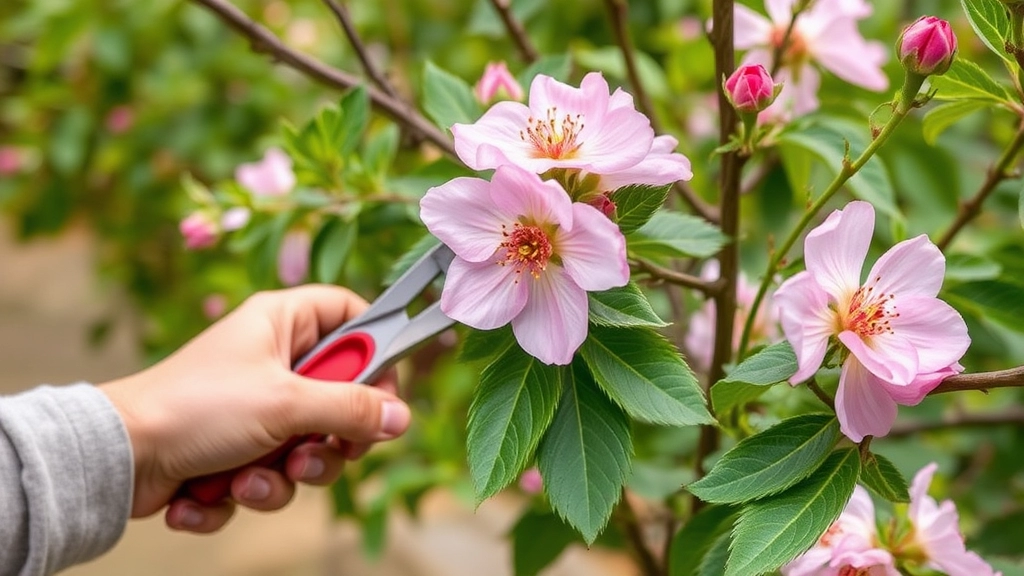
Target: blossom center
(833,531)
(527,248)
(794,48)
(851,571)
(869,313)
(556,136)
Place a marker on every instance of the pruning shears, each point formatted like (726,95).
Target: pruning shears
(358,351)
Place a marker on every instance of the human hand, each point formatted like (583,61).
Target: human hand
(229,396)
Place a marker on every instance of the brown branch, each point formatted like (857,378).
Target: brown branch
(618,13)
(516,30)
(696,203)
(984,381)
(812,385)
(634,536)
(341,14)
(265,41)
(1014,416)
(675,277)
(997,173)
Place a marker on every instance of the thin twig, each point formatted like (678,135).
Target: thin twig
(696,203)
(984,381)
(812,385)
(675,277)
(516,31)
(783,44)
(1013,416)
(618,13)
(265,41)
(341,14)
(997,173)
(634,536)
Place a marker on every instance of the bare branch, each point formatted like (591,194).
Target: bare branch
(341,14)
(696,203)
(618,13)
(984,381)
(674,277)
(1013,416)
(516,31)
(265,41)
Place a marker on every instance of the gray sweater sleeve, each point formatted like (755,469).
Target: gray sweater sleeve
(65,478)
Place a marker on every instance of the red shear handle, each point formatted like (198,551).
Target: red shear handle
(340,361)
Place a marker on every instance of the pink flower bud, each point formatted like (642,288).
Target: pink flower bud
(497,83)
(927,46)
(200,231)
(750,88)
(531,482)
(214,306)
(119,120)
(603,203)
(271,176)
(10,160)
(293,257)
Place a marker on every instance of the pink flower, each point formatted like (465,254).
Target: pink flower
(525,254)
(530,481)
(826,33)
(497,83)
(235,218)
(849,547)
(10,160)
(937,531)
(896,340)
(927,46)
(200,231)
(662,165)
(750,88)
(120,119)
(293,257)
(214,306)
(271,176)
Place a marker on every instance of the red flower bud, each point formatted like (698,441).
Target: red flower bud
(927,46)
(750,88)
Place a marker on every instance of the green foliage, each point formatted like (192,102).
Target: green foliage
(585,455)
(635,205)
(331,249)
(773,531)
(941,117)
(673,234)
(622,307)
(965,80)
(752,377)
(537,539)
(998,300)
(770,462)
(485,344)
(447,99)
(697,543)
(882,477)
(989,20)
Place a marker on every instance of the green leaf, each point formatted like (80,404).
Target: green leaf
(557,66)
(537,540)
(332,247)
(990,22)
(771,365)
(342,497)
(447,99)
(623,307)
(585,455)
(941,117)
(727,395)
(693,543)
(1020,207)
(421,247)
(882,477)
(827,142)
(967,267)
(775,530)
(380,151)
(770,462)
(485,344)
(967,80)
(642,372)
(997,300)
(634,205)
(513,407)
(355,115)
(714,562)
(674,234)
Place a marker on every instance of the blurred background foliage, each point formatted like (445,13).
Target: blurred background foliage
(107,104)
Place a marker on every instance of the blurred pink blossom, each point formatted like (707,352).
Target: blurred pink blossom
(10,160)
(826,34)
(271,176)
(199,230)
(214,306)
(235,218)
(120,119)
(497,83)
(690,28)
(293,257)
(927,46)
(530,481)
(900,338)
(525,254)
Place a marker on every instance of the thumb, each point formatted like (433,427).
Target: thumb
(347,410)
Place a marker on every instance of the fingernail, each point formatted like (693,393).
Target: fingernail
(312,469)
(394,418)
(191,516)
(257,488)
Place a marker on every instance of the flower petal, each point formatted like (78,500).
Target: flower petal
(591,99)
(750,29)
(913,393)
(553,324)
(889,356)
(780,11)
(661,166)
(843,51)
(807,322)
(922,507)
(482,295)
(293,257)
(461,214)
(835,250)
(912,267)
(495,138)
(521,194)
(620,140)
(862,405)
(934,328)
(594,251)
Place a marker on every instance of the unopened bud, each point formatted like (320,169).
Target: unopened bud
(603,203)
(927,46)
(531,482)
(199,230)
(497,83)
(751,89)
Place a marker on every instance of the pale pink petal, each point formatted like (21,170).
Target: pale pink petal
(780,11)
(591,99)
(750,28)
(807,322)
(594,251)
(810,563)
(621,140)
(860,511)
(834,251)
(496,139)
(957,561)
(934,328)
(844,52)
(912,267)
(620,99)
(862,405)
(271,176)
(461,214)
(661,166)
(553,324)
(293,257)
(234,218)
(700,336)
(913,393)
(482,295)
(922,505)
(889,357)
(521,194)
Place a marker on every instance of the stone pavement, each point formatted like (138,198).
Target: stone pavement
(48,298)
